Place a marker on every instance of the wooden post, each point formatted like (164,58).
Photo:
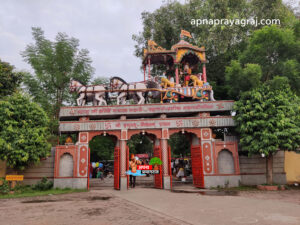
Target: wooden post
(204,73)
(144,73)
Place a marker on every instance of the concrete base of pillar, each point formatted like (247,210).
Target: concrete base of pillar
(75,183)
(123,184)
(223,181)
(167,184)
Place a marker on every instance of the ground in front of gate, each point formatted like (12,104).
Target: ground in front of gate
(151,206)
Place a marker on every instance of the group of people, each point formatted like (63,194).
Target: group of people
(181,167)
(99,170)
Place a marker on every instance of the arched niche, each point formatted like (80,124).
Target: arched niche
(225,162)
(66,164)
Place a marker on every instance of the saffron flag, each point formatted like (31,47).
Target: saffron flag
(185,33)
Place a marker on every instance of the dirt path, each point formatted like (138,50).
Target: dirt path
(92,208)
(151,206)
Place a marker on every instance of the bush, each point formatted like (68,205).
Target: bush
(4,188)
(43,185)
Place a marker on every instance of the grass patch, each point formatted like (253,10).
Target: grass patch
(28,192)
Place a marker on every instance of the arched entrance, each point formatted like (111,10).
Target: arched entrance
(146,145)
(141,146)
(186,159)
(101,161)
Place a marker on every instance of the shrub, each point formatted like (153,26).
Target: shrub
(4,188)
(43,185)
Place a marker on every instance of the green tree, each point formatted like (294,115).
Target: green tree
(272,51)
(140,144)
(54,64)
(240,79)
(268,120)
(24,132)
(100,80)
(180,145)
(9,79)
(102,148)
(222,43)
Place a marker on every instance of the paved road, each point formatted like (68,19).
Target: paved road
(192,208)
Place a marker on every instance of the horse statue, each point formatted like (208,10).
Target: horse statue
(136,91)
(94,93)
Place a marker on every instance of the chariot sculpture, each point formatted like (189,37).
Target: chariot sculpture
(183,80)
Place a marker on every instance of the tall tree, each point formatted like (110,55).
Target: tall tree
(222,43)
(267,120)
(54,64)
(10,80)
(24,132)
(275,52)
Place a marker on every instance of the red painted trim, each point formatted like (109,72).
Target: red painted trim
(37,178)
(211,175)
(204,73)
(149,68)
(177,76)
(196,131)
(69,177)
(156,132)
(108,106)
(116,133)
(185,118)
(230,146)
(89,163)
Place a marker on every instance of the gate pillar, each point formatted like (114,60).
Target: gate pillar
(165,159)
(123,161)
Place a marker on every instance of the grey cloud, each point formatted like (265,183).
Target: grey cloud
(104,27)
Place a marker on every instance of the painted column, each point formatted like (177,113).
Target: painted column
(177,76)
(149,69)
(123,158)
(165,159)
(144,73)
(204,73)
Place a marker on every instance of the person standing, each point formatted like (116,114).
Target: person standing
(133,167)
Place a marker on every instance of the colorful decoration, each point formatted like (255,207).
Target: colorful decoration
(182,62)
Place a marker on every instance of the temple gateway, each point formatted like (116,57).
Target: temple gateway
(178,101)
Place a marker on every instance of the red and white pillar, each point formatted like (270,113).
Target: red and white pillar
(204,73)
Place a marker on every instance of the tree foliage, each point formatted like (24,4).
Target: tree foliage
(222,43)
(9,79)
(54,64)
(180,145)
(272,51)
(24,132)
(102,148)
(140,144)
(268,120)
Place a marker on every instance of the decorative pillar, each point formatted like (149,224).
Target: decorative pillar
(144,73)
(123,160)
(207,151)
(204,73)
(165,159)
(149,69)
(177,76)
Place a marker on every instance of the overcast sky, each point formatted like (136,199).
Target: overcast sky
(104,27)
